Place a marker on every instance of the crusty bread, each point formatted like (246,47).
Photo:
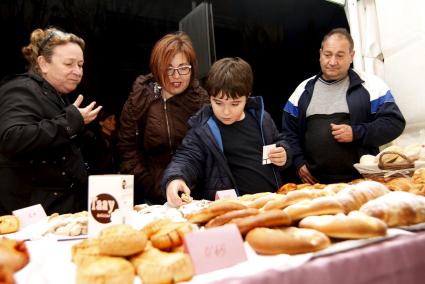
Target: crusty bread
(106,270)
(405,184)
(397,208)
(293,197)
(121,240)
(170,235)
(227,217)
(216,208)
(155,266)
(290,240)
(319,206)
(272,218)
(354,196)
(13,254)
(355,225)
(8,224)
(261,201)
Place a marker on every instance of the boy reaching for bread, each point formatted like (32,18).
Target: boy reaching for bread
(224,147)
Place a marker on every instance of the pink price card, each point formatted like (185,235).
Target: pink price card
(215,248)
(226,194)
(30,215)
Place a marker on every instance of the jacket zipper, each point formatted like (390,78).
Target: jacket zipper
(168,125)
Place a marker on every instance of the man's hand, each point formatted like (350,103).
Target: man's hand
(173,189)
(306,176)
(88,113)
(278,156)
(342,132)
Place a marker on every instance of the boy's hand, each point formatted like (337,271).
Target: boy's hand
(278,156)
(173,189)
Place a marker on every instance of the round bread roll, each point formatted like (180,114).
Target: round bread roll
(106,270)
(13,254)
(85,251)
(121,240)
(290,240)
(355,225)
(6,275)
(368,160)
(8,224)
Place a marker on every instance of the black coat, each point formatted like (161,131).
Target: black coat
(40,161)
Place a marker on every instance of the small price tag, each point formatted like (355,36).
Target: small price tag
(30,215)
(215,248)
(226,194)
(266,151)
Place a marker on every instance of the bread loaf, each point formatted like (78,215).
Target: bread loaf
(121,240)
(107,270)
(272,218)
(354,196)
(355,225)
(227,217)
(294,197)
(290,240)
(319,206)
(214,209)
(404,184)
(397,208)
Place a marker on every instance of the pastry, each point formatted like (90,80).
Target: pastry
(290,240)
(106,270)
(293,197)
(272,218)
(227,217)
(405,184)
(9,224)
(121,240)
(320,206)
(85,251)
(355,225)
(170,235)
(214,209)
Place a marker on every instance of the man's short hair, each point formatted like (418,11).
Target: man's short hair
(342,32)
(232,76)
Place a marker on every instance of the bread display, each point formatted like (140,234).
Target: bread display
(355,225)
(13,254)
(155,266)
(227,217)
(214,209)
(320,206)
(8,224)
(121,240)
(354,196)
(106,270)
(170,235)
(272,218)
(397,208)
(290,240)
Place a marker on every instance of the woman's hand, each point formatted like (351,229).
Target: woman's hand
(88,113)
(278,156)
(173,189)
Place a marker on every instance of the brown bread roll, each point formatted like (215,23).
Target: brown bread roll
(214,209)
(9,224)
(320,206)
(121,240)
(355,225)
(290,240)
(294,197)
(272,218)
(227,217)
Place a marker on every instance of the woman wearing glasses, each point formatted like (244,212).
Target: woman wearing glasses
(154,117)
(40,161)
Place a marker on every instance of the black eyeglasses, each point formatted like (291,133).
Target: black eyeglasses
(182,70)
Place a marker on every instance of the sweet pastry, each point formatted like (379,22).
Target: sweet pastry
(8,224)
(85,251)
(419,176)
(355,225)
(404,184)
(227,217)
(170,235)
(13,254)
(216,208)
(121,240)
(272,218)
(397,208)
(320,206)
(106,270)
(155,266)
(354,196)
(290,240)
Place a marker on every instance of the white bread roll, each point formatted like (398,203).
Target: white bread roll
(355,225)
(319,206)
(290,240)
(368,160)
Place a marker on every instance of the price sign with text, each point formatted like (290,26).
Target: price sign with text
(30,215)
(226,194)
(215,248)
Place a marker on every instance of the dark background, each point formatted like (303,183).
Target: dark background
(279,38)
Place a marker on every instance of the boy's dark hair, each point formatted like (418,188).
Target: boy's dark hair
(232,76)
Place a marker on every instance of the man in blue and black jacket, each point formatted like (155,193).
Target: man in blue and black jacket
(335,117)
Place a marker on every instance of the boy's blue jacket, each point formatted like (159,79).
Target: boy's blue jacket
(200,160)
(375,117)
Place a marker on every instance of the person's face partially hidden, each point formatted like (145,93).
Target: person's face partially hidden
(335,57)
(177,82)
(228,110)
(65,70)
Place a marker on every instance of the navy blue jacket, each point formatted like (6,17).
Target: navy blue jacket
(200,160)
(375,118)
